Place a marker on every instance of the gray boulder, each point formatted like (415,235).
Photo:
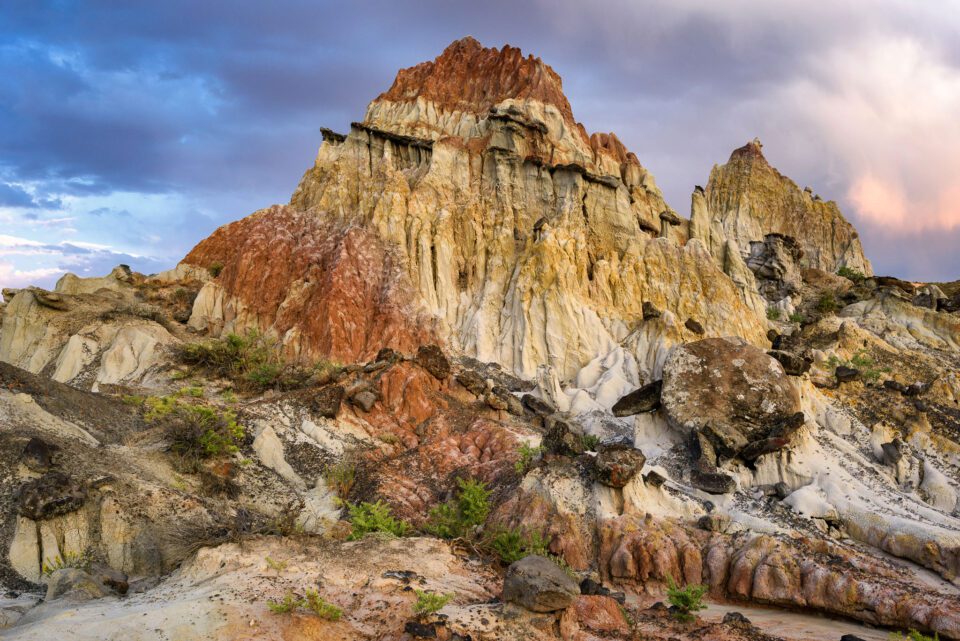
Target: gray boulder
(75,584)
(645,399)
(538,584)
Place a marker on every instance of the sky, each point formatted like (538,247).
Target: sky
(131,130)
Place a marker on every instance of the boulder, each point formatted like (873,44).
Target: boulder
(792,364)
(727,391)
(537,405)
(51,495)
(432,359)
(778,438)
(560,439)
(326,402)
(846,374)
(617,463)
(694,326)
(38,455)
(645,399)
(74,583)
(538,584)
(500,398)
(650,311)
(474,382)
(714,522)
(712,481)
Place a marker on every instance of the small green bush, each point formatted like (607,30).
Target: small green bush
(687,600)
(429,602)
(321,608)
(456,519)
(374,517)
(590,442)
(68,560)
(527,455)
(773,313)
(197,430)
(215,268)
(513,544)
(287,605)
(797,317)
(913,635)
(827,303)
(851,274)
(340,478)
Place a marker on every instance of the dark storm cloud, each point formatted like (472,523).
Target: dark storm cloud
(215,106)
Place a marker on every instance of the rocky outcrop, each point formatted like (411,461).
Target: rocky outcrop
(481,204)
(538,584)
(749,199)
(727,391)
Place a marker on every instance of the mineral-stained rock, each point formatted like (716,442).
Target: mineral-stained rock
(728,391)
(650,311)
(617,463)
(500,398)
(645,399)
(538,584)
(326,402)
(473,381)
(52,494)
(432,359)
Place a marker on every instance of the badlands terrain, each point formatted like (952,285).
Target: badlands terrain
(478,380)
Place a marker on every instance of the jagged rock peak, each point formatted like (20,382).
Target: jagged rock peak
(748,198)
(470,77)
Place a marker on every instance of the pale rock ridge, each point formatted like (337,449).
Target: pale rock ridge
(748,199)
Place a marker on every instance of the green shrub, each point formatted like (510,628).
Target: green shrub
(773,313)
(197,430)
(429,602)
(513,544)
(340,478)
(456,519)
(252,361)
(827,304)
(797,317)
(913,635)
(287,605)
(849,273)
(68,560)
(687,600)
(527,455)
(215,268)
(321,608)
(374,517)
(590,442)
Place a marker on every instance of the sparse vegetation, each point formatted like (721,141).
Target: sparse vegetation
(527,455)
(374,517)
(288,604)
(429,602)
(773,313)
(340,478)
(80,561)
(687,600)
(797,317)
(252,361)
(913,635)
(215,268)
(590,442)
(861,361)
(197,430)
(459,518)
(276,566)
(513,544)
(851,274)
(323,609)
(827,303)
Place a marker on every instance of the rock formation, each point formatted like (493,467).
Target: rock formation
(478,380)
